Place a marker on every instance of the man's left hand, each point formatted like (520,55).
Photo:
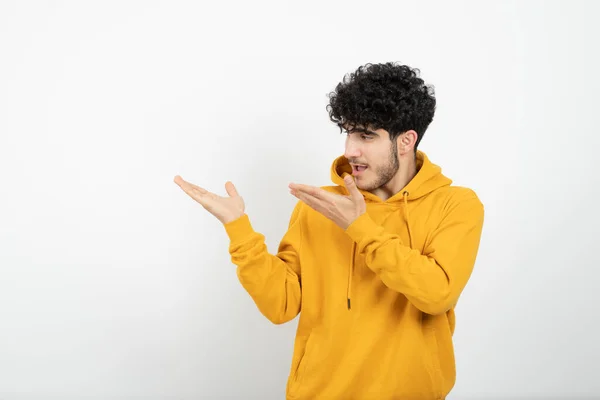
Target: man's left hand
(342,210)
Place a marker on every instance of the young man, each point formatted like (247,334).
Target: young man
(375,263)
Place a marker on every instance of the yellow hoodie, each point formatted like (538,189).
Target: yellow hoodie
(376,301)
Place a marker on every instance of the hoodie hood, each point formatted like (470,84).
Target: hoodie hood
(429,177)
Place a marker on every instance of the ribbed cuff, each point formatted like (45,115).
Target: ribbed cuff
(239,229)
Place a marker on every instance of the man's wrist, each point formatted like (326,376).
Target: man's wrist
(231,219)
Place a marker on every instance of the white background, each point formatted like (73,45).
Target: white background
(116,285)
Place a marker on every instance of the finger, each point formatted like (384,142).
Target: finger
(313,191)
(352,188)
(231,190)
(187,186)
(204,197)
(309,200)
(178,180)
(198,188)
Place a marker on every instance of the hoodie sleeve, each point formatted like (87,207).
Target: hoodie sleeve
(273,281)
(433,280)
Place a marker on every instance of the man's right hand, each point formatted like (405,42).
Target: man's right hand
(226,209)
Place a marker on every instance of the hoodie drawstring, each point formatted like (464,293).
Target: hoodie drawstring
(353,255)
(350,273)
(405,197)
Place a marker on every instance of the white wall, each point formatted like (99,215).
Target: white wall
(114,284)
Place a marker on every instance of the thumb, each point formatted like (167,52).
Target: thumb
(231,190)
(351,186)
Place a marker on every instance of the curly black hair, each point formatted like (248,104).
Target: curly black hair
(388,96)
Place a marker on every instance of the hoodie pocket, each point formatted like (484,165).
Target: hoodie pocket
(434,364)
(304,359)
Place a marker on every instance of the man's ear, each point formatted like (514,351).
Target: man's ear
(407,141)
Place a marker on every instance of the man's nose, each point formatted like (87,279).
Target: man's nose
(352,151)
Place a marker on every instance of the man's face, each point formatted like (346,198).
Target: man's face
(373,157)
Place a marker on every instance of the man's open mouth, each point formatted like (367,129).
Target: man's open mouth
(356,168)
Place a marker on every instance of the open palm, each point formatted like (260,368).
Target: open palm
(226,209)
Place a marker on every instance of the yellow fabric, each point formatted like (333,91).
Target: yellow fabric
(376,301)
